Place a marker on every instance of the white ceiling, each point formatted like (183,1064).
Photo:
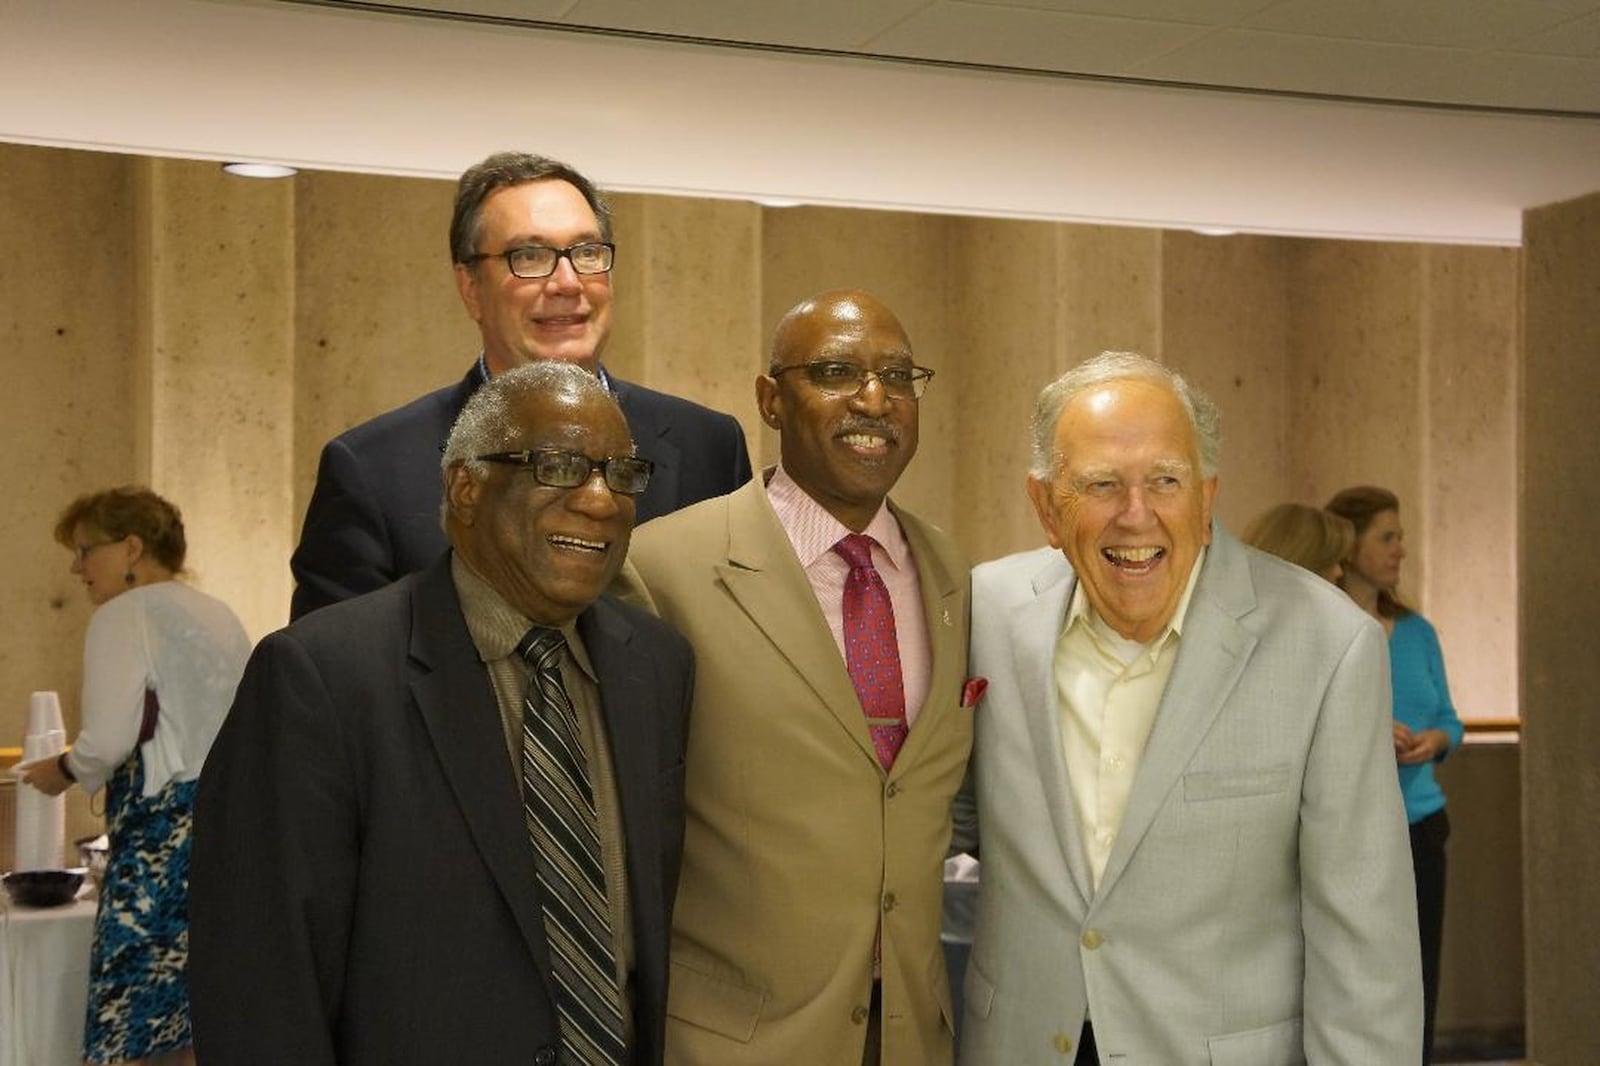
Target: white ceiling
(332,87)
(1523,54)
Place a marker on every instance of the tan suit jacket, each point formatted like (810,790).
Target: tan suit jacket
(800,849)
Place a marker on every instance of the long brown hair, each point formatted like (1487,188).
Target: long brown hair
(1361,505)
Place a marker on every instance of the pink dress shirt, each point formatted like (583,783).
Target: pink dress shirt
(814,532)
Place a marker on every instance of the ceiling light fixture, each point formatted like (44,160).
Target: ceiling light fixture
(259,170)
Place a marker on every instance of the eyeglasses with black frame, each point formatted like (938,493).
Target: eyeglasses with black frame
(559,469)
(842,380)
(539,261)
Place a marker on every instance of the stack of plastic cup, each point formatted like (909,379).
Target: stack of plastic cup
(41,819)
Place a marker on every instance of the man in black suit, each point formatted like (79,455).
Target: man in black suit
(368,883)
(531,242)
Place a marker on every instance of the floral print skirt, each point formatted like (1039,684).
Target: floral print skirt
(138,967)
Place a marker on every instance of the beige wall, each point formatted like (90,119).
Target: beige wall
(1560,609)
(207,334)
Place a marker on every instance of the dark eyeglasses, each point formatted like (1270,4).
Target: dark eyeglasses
(539,261)
(833,377)
(627,474)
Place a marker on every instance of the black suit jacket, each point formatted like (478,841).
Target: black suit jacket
(374,514)
(363,889)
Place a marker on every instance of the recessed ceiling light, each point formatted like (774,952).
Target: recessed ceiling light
(259,170)
(1215,231)
(774,201)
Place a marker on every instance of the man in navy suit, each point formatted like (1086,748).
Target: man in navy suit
(531,242)
(365,889)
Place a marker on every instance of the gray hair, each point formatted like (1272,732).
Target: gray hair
(1122,366)
(486,424)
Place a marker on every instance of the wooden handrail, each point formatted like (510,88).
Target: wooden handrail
(1493,725)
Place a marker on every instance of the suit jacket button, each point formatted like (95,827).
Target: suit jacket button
(889,901)
(545,1056)
(1062,1043)
(1092,939)
(859,1015)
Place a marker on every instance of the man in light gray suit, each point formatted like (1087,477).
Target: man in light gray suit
(1193,846)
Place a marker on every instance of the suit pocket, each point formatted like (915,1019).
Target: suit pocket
(1272,1045)
(1203,785)
(723,1006)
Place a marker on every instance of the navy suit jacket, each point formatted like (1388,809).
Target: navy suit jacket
(374,514)
(363,889)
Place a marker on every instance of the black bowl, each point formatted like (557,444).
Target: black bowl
(43,888)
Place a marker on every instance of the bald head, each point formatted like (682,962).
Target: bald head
(807,324)
(845,436)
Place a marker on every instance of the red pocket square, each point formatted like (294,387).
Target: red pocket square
(973,690)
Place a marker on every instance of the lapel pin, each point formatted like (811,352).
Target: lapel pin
(947,617)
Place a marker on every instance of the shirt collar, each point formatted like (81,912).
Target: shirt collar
(814,532)
(496,626)
(599,372)
(1082,611)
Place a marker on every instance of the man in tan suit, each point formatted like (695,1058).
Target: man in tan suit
(828,735)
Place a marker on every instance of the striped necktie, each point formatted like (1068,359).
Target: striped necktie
(559,805)
(872,648)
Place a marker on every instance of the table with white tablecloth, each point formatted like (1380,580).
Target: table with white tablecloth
(44,982)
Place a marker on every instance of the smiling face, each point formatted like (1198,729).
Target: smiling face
(1126,501)
(845,452)
(1379,551)
(564,316)
(548,551)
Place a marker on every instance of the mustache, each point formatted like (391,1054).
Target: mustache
(859,424)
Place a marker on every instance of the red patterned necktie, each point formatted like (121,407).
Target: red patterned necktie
(871,648)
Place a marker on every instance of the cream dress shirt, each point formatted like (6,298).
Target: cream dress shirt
(1108,690)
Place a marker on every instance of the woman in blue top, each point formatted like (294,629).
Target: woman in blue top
(1426,728)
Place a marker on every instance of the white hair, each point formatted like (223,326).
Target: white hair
(486,423)
(1122,366)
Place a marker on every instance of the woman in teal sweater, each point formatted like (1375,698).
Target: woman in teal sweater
(1426,727)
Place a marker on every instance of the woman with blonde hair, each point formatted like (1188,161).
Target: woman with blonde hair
(1426,727)
(160,664)
(1305,536)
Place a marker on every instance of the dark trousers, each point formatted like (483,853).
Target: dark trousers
(1087,1055)
(1428,838)
(872,1054)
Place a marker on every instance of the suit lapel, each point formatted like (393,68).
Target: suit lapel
(1211,655)
(626,696)
(766,581)
(1033,629)
(458,708)
(652,439)
(944,609)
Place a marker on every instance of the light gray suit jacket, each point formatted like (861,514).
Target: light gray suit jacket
(1257,907)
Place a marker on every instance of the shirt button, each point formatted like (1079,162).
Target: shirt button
(1092,939)
(545,1056)
(1062,1043)
(888,901)
(1115,761)
(859,1015)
